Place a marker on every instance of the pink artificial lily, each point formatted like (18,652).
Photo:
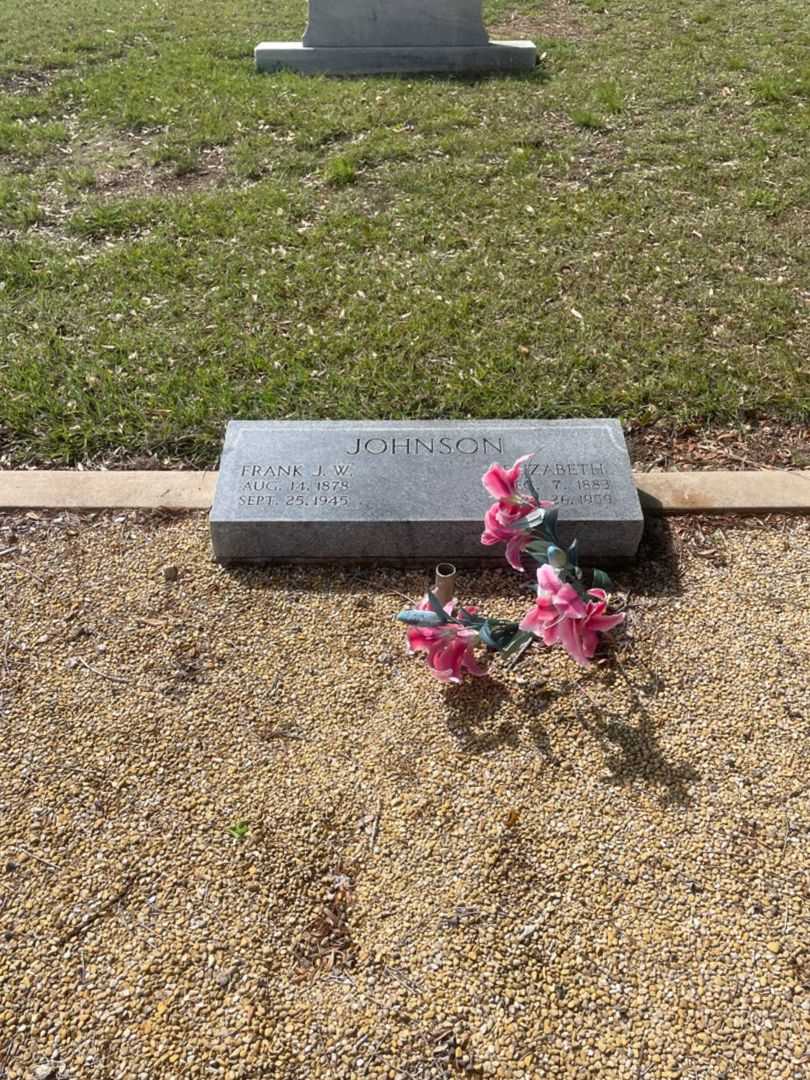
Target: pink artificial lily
(449,647)
(501,483)
(561,615)
(497,531)
(500,521)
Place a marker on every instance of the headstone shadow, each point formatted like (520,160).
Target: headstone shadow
(539,73)
(656,571)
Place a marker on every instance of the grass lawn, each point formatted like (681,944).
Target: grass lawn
(182,241)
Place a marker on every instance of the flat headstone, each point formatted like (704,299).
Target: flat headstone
(346,37)
(410,491)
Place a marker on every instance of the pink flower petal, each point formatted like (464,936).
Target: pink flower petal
(548,580)
(590,640)
(605,622)
(501,483)
(514,550)
(571,641)
(497,482)
(540,615)
(568,602)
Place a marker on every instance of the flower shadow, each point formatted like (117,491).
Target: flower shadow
(632,751)
(628,739)
(471,714)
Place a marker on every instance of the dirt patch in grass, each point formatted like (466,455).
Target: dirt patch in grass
(140,178)
(26,82)
(768,444)
(765,444)
(558,20)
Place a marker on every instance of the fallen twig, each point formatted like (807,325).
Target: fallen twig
(95,915)
(375,826)
(38,858)
(103,674)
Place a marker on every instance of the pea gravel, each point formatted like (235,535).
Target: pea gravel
(243,835)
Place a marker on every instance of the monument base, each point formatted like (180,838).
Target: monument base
(506,56)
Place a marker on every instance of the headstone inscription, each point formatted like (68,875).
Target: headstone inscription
(410,491)
(367,37)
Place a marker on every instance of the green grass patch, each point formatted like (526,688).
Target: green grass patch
(340,171)
(182,241)
(588,119)
(19,207)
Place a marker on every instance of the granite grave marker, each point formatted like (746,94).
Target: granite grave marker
(410,491)
(367,37)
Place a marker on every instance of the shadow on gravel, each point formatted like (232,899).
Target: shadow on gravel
(631,751)
(656,571)
(471,710)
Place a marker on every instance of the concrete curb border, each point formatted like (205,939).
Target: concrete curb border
(766,492)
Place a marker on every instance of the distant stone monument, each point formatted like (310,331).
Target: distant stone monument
(370,37)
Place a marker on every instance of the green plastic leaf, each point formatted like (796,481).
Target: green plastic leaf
(571,577)
(550,525)
(572,553)
(436,604)
(601,580)
(531,521)
(497,633)
(414,617)
(535,518)
(538,550)
(557,557)
(518,647)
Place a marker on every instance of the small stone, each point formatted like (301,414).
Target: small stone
(224,977)
(43,1072)
(170,573)
(774,947)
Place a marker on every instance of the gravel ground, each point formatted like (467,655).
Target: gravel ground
(243,835)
